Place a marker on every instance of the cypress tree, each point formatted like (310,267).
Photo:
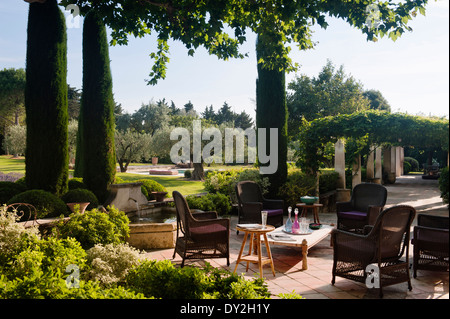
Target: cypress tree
(46,155)
(97,109)
(271,111)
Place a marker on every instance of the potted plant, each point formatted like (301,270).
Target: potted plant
(159,196)
(84,198)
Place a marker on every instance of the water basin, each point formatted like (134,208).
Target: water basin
(153,228)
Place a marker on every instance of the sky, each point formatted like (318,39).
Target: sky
(411,73)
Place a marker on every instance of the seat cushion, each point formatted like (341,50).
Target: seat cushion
(355,215)
(273,212)
(209,232)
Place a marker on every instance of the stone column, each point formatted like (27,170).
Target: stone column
(378,169)
(339,162)
(356,172)
(389,165)
(370,166)
(342,194)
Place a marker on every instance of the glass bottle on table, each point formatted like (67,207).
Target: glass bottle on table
(288,226)
(296,225)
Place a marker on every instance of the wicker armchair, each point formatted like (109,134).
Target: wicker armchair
(430,240)
(200,235)
(251,202)
(366,203)
(381,247)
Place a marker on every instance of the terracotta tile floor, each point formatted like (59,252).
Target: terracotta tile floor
(315,282)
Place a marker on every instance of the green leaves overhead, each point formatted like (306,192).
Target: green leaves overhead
(208,23)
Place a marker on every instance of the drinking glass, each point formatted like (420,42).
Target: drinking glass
(264,218)
(303,224)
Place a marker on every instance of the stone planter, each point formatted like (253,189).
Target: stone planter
(159,196)
(154,161)
(82,205)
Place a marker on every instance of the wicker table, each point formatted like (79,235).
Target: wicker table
(255,234)
(303,241)
(314,207)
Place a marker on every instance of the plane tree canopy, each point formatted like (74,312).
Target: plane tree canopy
(221,26)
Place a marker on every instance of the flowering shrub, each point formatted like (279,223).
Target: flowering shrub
(110,263)
(10,177)
(13,236)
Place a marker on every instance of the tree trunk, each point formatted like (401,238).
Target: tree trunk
(198,174)
(47,154)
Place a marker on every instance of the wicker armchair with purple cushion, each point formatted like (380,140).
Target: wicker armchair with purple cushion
(251,202)
(430,240)
(384,246)
(200,235)
(366,203)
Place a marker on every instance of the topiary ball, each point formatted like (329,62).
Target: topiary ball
(8,190)
(80,195)
(46,204)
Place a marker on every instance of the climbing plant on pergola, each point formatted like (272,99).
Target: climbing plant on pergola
(373,128)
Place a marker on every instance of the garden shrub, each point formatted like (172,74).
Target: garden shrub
(148,186)
(160,279)
(21,181)
(96,227)
(415,167)
(48,255)
(328,181)
(80,195)
(210,202)
(8,190)
(46,204)
(298,184)
(443,185)
(225,181)
(187,173)
(14,237)
(75,183)
(406,167)
(55,287)
(110,263)
(31,267)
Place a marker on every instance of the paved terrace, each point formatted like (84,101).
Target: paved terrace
(315,283)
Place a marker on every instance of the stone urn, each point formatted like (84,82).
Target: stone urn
(154,161)
(82,206)
(159,196)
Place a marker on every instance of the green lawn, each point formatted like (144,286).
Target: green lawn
(180,184)
(185,187)
(9,164)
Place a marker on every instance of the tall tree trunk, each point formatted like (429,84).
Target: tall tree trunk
(97,109)
(198,174)
(47,155)
(271,112)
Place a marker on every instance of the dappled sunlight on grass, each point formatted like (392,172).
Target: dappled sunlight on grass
(180,184)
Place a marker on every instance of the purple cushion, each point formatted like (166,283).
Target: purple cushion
(273,212)
(208,232)
(353,215)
